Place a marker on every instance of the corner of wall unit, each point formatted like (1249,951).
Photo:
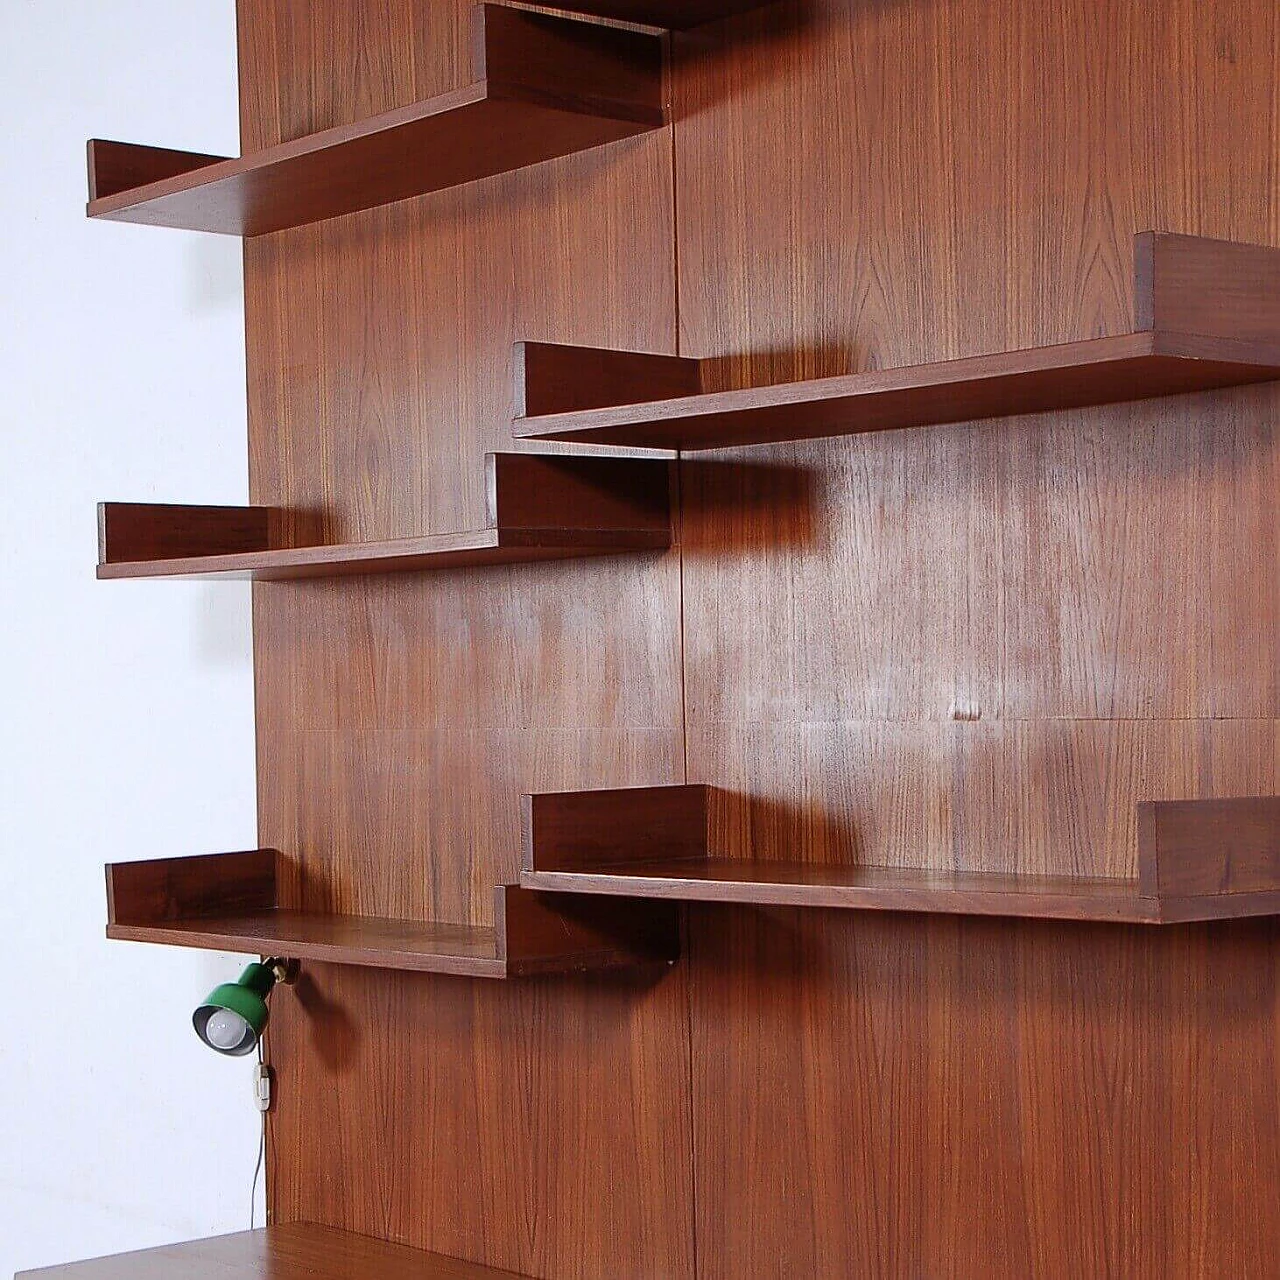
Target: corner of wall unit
(230,902)
(1207,316)
(1198,860)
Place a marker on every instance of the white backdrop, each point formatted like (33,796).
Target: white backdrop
(125,708)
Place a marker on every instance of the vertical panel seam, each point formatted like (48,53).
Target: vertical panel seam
(684,669)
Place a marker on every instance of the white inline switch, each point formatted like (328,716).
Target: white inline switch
(262,1086)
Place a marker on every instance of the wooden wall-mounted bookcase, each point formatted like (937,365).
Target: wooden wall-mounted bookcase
(1002,639)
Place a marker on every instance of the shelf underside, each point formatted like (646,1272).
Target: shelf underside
(360,940)
(294,1251)
(1099,371)
(437,551)
(897,889)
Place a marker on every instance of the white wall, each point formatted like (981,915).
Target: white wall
(125,708)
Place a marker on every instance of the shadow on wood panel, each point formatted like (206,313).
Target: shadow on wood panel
(334,1034)
(748,506)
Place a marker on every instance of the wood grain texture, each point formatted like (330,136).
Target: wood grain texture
(952,1097)
(1206,313)
(296,1251)
(535,1125)
(544,87)
(975,649)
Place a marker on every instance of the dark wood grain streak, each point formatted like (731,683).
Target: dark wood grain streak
(545,87)
(292,1251)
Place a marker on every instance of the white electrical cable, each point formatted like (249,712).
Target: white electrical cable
(262,1151)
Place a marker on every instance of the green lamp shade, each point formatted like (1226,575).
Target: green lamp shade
(234,1015)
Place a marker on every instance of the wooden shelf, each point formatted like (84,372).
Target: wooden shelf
(540,508)
(1198,860)
(297,1251)
(675,15)
(544,87)
(1207,317)
(230,902)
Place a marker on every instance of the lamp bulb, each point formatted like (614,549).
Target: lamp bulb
(226,1030)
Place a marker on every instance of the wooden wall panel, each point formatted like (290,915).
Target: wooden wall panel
(977,187)
(975,646)
(540,1126)
(908,1096)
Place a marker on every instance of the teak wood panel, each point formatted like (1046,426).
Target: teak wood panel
(930,1096)
(974,648)
(950,645)
(296,1251)
(545,1129)
(543,87)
